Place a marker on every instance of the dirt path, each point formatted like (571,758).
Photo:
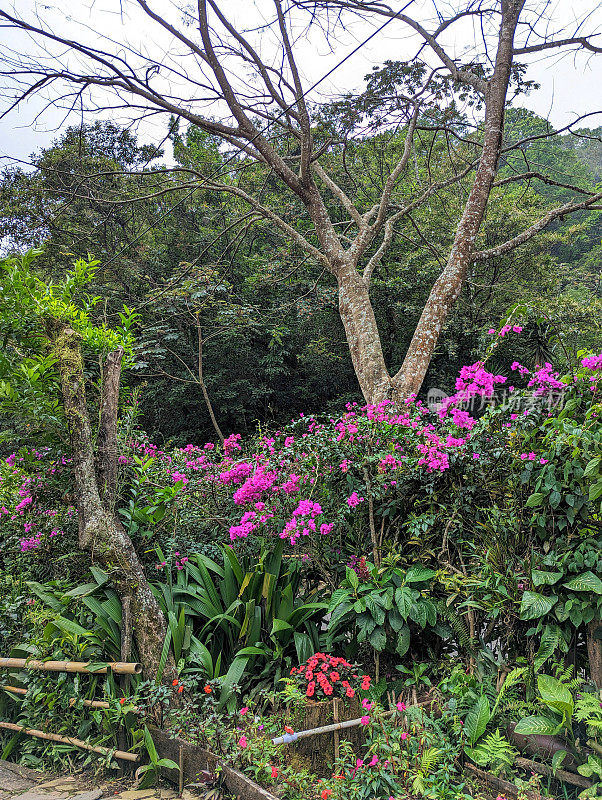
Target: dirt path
(21,783)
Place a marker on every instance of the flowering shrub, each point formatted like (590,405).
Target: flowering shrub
(323,676)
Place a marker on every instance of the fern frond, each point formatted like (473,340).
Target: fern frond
(430,759)
(457,623)
(494,751)
(513,677)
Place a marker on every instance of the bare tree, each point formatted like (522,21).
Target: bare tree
(232,85)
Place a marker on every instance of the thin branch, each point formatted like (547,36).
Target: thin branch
(536,228)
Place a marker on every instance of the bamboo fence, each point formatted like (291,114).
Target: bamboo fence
(118,667)
(55,737)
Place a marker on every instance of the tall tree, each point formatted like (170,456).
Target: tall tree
(352,248)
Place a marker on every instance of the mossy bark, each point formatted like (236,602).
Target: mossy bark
(594,651)
(100,531)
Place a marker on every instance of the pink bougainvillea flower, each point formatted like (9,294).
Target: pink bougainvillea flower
(401,706)
(354,500)
(366,704)
(365,720)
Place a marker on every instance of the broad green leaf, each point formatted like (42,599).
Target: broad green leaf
(555,694)
(588,582)
(477,719)
(403,641)
(167,763)
(352,578)
(557,759)
(547,647)
(71,627)
(595,491)
(592,467)
(534,605)
(378,639)
(418,613)
(536,725)
(418,574)
(377,611)
(404,598)
(541,578)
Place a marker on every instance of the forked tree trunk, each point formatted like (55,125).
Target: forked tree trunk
(448,286)
(100,531)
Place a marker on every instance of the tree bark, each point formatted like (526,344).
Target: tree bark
(100,531)
(107,433)
(594,651)
(449,284)
(363,338)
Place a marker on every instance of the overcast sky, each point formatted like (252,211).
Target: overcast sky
(570,86)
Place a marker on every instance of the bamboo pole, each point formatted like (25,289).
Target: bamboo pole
(337,726)
(91,703)
(72,701)
(55,737)
(118,667)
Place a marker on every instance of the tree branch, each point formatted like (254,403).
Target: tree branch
(536,228)
(582,41)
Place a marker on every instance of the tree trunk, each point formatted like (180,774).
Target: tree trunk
(100,531)
(448,286)
(594,651)
(107,433)
(206,397)
(362,335)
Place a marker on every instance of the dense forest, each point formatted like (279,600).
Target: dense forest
(300,440)
(272,340)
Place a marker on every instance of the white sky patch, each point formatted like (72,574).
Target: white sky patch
(571,83)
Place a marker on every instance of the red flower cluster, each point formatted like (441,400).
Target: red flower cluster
(324,675)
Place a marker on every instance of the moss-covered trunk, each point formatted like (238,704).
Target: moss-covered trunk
(100,531)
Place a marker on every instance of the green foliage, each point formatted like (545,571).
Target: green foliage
(383,606)
(493,752)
